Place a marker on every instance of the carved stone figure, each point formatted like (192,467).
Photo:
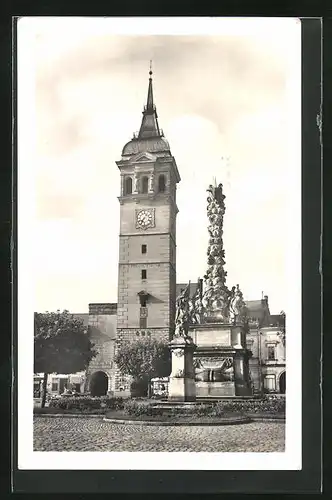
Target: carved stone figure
(182,313)
(237,307)
(196,306)
(178,352)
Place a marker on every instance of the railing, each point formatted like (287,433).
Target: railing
(136,134)
(153,107)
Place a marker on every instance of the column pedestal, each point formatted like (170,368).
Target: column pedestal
(182,385)
(241,374)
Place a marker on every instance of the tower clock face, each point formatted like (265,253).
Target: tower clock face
(144,218)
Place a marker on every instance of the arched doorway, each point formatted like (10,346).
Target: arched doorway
(282,383)
(99,384)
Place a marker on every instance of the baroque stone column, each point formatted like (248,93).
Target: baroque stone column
(182,385)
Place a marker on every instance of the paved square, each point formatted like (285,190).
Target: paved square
(93,434)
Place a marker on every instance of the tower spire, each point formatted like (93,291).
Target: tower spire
(149,103)
(149,127)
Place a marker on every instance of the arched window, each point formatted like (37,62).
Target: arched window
(128,185)
(145,184)
(161,183)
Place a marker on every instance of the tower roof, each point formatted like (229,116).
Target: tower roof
(150,137)
(149,127)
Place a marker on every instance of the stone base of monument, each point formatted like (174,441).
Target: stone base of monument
(216,341)
(215,389)
(182,385)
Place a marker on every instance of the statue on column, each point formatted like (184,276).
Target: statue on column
(237,307)
(197,307)
(182,313)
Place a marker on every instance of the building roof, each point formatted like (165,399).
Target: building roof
(103,308)
(258,311)
(150,137)
(276,320)
(181,286)
(149,126)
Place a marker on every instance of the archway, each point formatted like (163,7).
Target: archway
(99,384)
(282,383)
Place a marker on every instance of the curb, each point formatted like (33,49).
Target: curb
(267,419)
(245,420)
(75,415)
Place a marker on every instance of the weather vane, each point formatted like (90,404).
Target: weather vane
(150,72)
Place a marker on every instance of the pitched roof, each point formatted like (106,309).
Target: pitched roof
(192,288)
(276,320)
(254,305)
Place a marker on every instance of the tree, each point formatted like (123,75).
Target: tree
(61,345)
(144,359)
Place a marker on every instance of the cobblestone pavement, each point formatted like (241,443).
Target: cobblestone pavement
(93,434)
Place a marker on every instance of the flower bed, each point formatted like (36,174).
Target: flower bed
(143,409)
(86,403)
(267,405)
(176,419)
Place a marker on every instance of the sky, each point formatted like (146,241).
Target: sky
(224,103)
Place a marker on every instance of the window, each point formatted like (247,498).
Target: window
(54,386)
(145,184)
(143,273)
(144,248)
(143,322)
(270,382)
(143,301)
(128,185)
(161,184)
(271,352)
(77,387)
(143,312)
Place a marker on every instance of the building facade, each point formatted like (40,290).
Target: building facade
(266,341)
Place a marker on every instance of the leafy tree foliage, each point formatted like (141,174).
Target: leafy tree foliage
(61,345)
(144,359)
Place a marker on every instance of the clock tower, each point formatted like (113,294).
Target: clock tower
(147,251)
